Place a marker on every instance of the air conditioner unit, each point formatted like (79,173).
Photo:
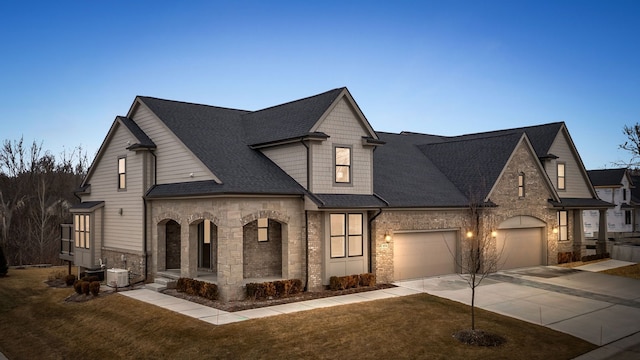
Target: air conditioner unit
(117,277)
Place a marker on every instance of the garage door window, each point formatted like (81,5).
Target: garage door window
(346,235)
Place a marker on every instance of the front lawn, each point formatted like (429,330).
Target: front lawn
(36,322)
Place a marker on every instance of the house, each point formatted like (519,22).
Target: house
(615,186)
(308,190)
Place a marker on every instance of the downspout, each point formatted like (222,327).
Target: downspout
(144,216)
(306,221)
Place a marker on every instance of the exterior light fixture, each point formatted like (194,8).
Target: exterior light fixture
(494,234)
(387,237)
(555,230)
(469,234)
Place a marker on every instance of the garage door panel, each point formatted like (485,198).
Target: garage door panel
(520,248)
(423,254)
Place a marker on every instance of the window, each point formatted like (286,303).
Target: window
(563,228)
(343,165)
(82,231)
(521,185)
(561,176)
(624,194)
(263,229)
(627,217)
(122,173)
(346,235)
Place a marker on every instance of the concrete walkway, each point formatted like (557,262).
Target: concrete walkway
(601,309)
(219,317)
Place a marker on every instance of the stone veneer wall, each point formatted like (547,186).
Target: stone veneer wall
(535,203)
(406,220)
(134,262)
(229,215)
(262,258)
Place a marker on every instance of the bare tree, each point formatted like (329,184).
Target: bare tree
(479,253)
(632,145)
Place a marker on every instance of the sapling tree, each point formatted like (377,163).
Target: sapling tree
(479,252)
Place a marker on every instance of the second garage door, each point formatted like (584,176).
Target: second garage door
(520,247)
(422,254)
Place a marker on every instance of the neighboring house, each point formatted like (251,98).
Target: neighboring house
(309,190)
(614,186)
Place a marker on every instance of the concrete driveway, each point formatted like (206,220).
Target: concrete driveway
(601,309)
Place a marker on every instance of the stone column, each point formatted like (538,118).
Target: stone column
(602,232)
(578,234)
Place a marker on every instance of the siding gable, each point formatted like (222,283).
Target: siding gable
(292,158)
(121,229)
(345,127)
(175,162)
(577,182)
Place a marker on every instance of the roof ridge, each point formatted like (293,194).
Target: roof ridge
(191,103)
(298,100)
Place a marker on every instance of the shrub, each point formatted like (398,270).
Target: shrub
(70,279)
(197,288)
(94,288)
(77,286)
(351,281)
(85,287)
(58,274)
(209,291)
(595,257)
(368,279)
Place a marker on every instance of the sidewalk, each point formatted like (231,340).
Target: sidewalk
(219,317)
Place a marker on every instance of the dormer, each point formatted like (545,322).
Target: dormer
(324,142)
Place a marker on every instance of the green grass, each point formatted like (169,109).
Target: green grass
(36,322)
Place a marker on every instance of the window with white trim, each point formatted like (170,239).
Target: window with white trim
(343,164)
(563,225)
(627,217)
(346,235)
(122,173)
(82,231)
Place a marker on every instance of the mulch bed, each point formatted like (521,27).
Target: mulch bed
(230,306)
(240,305)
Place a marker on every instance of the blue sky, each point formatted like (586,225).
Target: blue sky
(68,68)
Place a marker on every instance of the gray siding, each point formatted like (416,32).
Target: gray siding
(576,184)
(119,231)
(175,163)
(345,129)
(292,159)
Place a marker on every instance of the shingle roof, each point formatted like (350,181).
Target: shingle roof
(287,121)
(404,177)
(581,203)
(606,177)
(142,139)
(216,136)
(473,165)
(86,205)
(349,201)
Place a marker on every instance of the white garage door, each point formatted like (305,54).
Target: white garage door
(421,254)
(520,247)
